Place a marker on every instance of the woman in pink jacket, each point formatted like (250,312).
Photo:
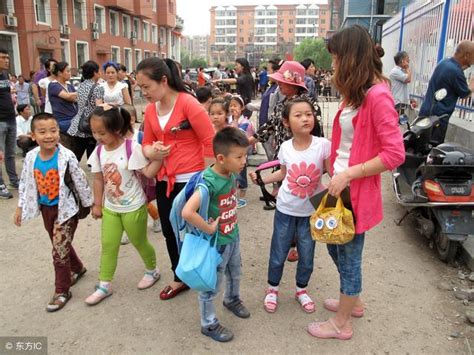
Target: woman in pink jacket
(366,141)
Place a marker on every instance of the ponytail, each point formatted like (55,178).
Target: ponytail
(175,80)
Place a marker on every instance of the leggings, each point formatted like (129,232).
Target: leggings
(135,225)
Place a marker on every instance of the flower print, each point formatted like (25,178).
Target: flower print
(293,76)
(303,179)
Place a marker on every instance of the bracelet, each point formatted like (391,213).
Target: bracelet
(363,170)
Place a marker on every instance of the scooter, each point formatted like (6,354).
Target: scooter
(435,185)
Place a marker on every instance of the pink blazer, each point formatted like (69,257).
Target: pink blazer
(376,133)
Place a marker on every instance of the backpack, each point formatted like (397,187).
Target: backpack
(148,185)
(180,226)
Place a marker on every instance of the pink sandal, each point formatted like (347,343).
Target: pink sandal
(332,305)
(316,330)
(305,301)
(271,300)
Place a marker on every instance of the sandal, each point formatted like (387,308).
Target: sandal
(292,255)
(99,295)
(332,304)
(305,301)
(149,279)
(58,302)
(335,333)
(271,300)
(76,276)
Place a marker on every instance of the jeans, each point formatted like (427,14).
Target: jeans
(242,181)
(231,267)
(348,260)
(7,146)
(285,229)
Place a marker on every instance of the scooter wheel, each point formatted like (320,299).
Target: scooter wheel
(447,249)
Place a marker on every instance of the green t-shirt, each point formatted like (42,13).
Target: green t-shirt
(223,203)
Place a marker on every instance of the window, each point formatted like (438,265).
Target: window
(80,17)
(301,12)
(65,52)
(138,56)
(312,12)
(146,54)
(100,18)
(153,5)
(113,22)
(115,56)
(127,58)
(281,22)
(136,28)
(154,34)
(271,30)
(126,26)
(290,22)
(241,39)
(220,22)
(260,21)
(290,30)
(231,23)
(301,21)
(146,30)
(271,21)
(162,36)
(43,11)
(155,54)
(82,52)
(62,12)
(323,21)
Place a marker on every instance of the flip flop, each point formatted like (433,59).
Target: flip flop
(332,304)
(316,330)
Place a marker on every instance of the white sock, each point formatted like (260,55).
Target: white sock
(104,284)
(274,288)
(300,289)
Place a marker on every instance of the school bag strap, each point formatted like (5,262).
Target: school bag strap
(128,149)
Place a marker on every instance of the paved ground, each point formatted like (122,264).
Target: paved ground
(410,304)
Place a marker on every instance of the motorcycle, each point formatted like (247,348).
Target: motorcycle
(435,185)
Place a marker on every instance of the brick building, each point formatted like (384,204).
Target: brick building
(257,32)
(124,31)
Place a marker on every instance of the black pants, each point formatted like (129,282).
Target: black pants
(164,208)
(81,145)
(26,144)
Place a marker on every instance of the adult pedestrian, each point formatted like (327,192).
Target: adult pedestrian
(201,78)
(127,79)
(7,128)
(400,77)
(366,141)
(217,75)
(34,94)
(263,79)
(449,75)
(44,84)
(115,92)
(310,70)
(22,91)
(182,152)
(89,95)
(63,97)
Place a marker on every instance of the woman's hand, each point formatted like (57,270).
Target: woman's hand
(96,211)
(160,150)
(338,183)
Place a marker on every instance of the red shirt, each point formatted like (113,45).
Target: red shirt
(201,79)
(189,146)
(376,133)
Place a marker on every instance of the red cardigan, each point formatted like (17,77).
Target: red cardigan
(189,147)
(376,133)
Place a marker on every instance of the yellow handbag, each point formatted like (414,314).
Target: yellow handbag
(332,225)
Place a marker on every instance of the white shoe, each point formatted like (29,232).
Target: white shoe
(124,240)
(157,226)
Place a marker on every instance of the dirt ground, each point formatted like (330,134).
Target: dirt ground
(410,309)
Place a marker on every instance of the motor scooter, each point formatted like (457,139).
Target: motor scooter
(435,185)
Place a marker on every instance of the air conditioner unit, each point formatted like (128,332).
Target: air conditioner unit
(95,26)
(133,35)
(67,30)
(134,41)
(95,35)
(61,29)
(11,21)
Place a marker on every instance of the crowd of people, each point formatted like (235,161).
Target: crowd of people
(185,133)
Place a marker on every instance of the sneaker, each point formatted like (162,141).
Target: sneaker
(4,193)
(13,185)
(124,240)
(218,333)
(238,308)
(242,203)
(156,226)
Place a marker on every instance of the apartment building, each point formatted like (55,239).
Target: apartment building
(75,31)
(196,46)
(257,32)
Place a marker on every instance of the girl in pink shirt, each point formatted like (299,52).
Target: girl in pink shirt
(366,141)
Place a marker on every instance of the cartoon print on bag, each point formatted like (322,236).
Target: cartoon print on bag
(303,179)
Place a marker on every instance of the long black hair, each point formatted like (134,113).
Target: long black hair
(245,64)
(115,119)
(156,68)
(59,67)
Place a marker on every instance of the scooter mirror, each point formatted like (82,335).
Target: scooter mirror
(441,94)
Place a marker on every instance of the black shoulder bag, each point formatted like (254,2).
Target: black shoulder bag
(84,121)
(83,211)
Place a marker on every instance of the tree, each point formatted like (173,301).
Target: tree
(314,48)
(198,62)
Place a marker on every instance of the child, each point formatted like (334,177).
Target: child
(124,208)
(230,150)
(204,96)
(303,160)
(23,129)
(42,190)
(137,136)
(236,107)
(219,112)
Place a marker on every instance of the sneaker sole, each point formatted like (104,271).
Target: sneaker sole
(6,197)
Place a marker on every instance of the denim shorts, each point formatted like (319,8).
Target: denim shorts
(348,260)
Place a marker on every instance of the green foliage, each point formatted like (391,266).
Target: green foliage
(198,62)
(314,48)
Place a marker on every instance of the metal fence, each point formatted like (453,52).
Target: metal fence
(429,31)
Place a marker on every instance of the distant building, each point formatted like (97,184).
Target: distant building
(260,32)
(78,30)
(196,47)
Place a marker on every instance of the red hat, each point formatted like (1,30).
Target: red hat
(291,73)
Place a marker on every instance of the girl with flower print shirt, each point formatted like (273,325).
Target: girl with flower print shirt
(303,160)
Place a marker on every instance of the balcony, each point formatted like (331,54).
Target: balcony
(123,5)
(143,8)
(166,13)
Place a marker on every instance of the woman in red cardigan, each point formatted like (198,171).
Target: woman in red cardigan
(183,148)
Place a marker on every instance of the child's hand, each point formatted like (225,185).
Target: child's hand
(17,217)
(96,211)
(253,177)
(213,225)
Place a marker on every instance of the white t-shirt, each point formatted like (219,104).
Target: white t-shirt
(303,176)
(114,96)
(44,83)
(23,127)
(122,190)
(347,134)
